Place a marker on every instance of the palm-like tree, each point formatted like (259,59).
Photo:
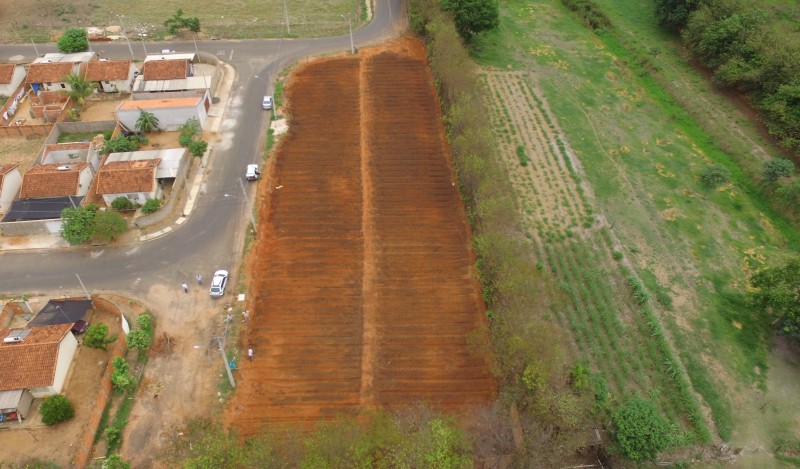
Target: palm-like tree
(80,88)
(147,122)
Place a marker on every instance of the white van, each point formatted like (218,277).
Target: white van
(252,172)
(266,104)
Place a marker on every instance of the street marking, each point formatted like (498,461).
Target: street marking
(231,57)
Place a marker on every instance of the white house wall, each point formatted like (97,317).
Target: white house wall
(12,181)
(16,79)
(66,352)
(136,197)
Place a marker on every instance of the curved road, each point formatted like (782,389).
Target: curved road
(209,239)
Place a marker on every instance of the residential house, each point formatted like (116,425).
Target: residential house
(112,76)
(56,180)
(37,359)
(50,71)
(135,180)
(170,112)
(10,182)
(171,73)
(172,160)
(73,152)
(11,76)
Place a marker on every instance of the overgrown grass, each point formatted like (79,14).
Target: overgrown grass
(66,137)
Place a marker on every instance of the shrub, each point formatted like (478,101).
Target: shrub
(151,206)
(714,176)
(776,169)
(641,431)
(121,144)
(77,224)
(107,225)
(122,380)
(122,203)
(185,140)
(113,436)
(145,322)
(56,409)
(198,147)
(139,339)
(115,461)
(97,336)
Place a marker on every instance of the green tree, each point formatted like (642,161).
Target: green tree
(77,224)
(776,169)
(147,122)
(73,40)
(108,225)
(97,336)
(473,16)
(714,176)
(80,88)
(151,206)
(674,14)
(139,339)
(641,432)
(122,203)
(198,147)
(178,22)
(776,291)
(56,409)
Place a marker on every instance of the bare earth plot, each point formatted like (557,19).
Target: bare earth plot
(364,291)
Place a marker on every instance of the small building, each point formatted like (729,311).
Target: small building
(10,182)
(37,359)
(171,112)
(170,73)
(11,76)
(49,71)
(56,180)
(111,76)
(51,76)
(15,405)
(135,180)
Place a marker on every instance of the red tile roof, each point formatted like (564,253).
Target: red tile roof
(6,73)
(32,362)
(46,180)
(165,69)
(108,70)
(49,72)
(118,177)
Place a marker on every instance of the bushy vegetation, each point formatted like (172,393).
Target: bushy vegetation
(714,176)
(82,224)
(73,40)
(178,22)
(97,336)
(776,292)
(122,203)
(641,431)
(588,11)
(151,206)
(56,409)
(415,439)
(746,50)
(121,378)
(473,16)
(120,144)
(141,337)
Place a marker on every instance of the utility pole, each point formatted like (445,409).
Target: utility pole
(35,48)
(143,46)
(247,203)
(88,296)
(350,26)
(125,35)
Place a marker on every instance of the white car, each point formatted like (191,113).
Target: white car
(252,172)
(218,283)
(266,104)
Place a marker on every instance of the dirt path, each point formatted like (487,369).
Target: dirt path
(364,290)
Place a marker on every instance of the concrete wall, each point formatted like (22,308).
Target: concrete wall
(25,228)
(11,184)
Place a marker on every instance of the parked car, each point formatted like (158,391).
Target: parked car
(218,283)
(252,172)
(266,104)
(79,327)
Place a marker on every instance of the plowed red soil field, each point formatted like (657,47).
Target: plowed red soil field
(363,289)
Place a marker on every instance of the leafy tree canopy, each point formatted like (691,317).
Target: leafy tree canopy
(73,40)
(77,224)
(55,409)
(178,22)
(107,225)
(197,147)
(714,176)
(121,144)
(641,431)
(776,169)
(777,292)
(473,16)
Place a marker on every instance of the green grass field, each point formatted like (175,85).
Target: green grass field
(235,19)
(643,124)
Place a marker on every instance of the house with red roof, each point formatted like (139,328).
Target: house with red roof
(134,179)
(11,76)
(37,359)
(111,76)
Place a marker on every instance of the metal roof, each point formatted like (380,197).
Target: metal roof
(40,209)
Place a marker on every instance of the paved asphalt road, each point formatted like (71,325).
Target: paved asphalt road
(209,239)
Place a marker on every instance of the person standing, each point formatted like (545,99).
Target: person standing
(185,288)
(245,316)
(250,354)
(199,279)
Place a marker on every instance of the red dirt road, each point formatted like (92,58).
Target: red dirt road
(363,289)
